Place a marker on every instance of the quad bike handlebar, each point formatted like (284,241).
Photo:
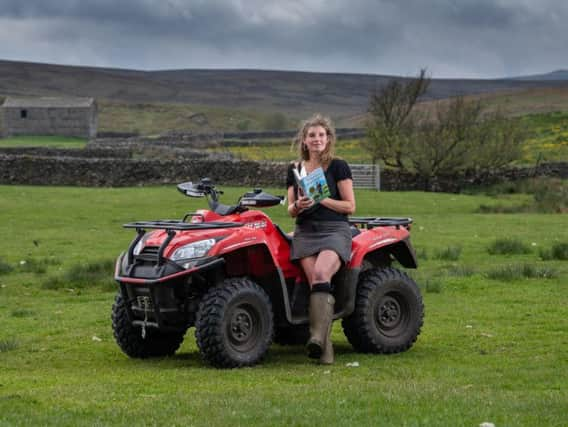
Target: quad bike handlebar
(206,188)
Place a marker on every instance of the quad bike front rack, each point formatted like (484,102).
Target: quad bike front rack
(171,226)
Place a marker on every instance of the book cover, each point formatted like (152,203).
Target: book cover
(313,185)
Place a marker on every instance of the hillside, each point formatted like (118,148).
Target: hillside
(554,75)
(293,93)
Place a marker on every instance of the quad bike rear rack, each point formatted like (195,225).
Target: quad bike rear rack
(372,222)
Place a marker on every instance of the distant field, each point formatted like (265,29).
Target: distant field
(282,151)
(529,101)
(548,137)
(547,141)
(159,118)
(493,346)
(43,141)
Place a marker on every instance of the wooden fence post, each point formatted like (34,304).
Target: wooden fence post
(377,175)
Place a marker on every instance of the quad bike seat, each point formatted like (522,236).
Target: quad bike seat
(354,232)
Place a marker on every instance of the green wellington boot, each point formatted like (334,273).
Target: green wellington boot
(327,357)
(321,316)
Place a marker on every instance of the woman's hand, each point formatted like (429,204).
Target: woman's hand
(303,203)
(297,205)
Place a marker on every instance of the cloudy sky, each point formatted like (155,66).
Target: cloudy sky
(451,38)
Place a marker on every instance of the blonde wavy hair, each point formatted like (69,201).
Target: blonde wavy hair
(316,120)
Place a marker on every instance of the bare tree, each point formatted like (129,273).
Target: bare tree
(456,136)
(392,125)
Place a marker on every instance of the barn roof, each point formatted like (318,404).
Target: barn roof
(47,102)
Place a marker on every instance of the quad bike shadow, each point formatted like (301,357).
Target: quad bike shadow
(226,271)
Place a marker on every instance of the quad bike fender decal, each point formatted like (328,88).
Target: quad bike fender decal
(244,238)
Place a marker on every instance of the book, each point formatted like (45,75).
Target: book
(313,185)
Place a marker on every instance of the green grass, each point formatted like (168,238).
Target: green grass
(43,141)
(282,151)
(491,350)
(548,137)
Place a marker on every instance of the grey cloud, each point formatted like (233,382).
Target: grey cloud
(472,38)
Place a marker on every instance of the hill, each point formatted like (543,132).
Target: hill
(557,75)
(293,93)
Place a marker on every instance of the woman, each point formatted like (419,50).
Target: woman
(322,238)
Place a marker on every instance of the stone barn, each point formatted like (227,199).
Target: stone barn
(49,116)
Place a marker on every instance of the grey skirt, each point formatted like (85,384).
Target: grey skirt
(311,238)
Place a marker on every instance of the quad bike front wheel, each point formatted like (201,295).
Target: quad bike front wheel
(388,313)
(129,337)
(234,324)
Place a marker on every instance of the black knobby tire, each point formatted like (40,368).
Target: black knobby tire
(292,335)
(129,337)
(234,324)
(388,314)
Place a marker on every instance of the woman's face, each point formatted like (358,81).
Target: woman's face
(316,139)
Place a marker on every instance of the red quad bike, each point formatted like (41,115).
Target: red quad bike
(227,271)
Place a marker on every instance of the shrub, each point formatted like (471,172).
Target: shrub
(422,253)
(275,121)
(91,274)
(502,209)
(551,195)
(243,125)
(451,253)
(7,345)
(432,286)
(5,268)
(20,312)
(37,266)
(545,254)
(461,271)
(521,271)
(508,246)
(558,251)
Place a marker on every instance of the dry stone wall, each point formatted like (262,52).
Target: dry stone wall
(131,172)
(125,166)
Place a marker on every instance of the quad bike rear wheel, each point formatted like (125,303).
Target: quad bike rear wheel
(388,313)
(234,324)
(129,337)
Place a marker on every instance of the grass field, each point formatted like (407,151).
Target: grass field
(43,141)
(548,137)
(547,140)
(491,350)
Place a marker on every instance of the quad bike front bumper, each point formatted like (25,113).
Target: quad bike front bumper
(160,296)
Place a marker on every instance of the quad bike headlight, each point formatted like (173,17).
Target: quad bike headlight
(193,250)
